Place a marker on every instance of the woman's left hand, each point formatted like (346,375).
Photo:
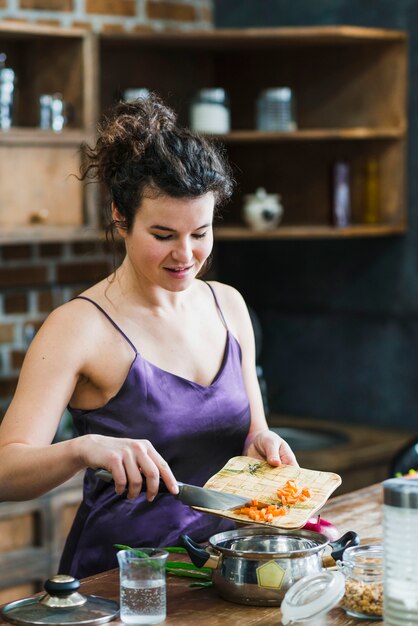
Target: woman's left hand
(270,447)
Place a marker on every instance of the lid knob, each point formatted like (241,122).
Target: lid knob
(62,592)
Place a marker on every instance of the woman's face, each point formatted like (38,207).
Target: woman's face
(170,240)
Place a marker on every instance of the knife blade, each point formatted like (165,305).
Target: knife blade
(192,495)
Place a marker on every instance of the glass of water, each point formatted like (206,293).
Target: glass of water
(142,585)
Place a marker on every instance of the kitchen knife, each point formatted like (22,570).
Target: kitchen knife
(192,495)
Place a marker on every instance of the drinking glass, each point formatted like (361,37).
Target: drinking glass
(142,585)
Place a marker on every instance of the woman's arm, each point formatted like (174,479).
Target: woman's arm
(63,352)
(261,442)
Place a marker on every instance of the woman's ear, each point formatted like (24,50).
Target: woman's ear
(118,221)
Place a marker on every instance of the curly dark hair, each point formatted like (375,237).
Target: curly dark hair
(141,150)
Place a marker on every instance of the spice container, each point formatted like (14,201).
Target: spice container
(209,112)
(363,569)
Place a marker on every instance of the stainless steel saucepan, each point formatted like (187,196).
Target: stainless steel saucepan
(257,565)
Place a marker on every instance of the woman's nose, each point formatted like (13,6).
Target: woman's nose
(182,252)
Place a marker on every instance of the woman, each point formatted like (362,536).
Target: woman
(156,366)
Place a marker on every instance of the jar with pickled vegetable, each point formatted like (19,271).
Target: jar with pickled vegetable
(362,567)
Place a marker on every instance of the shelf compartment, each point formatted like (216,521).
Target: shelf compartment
(40,183)
(343,77)
(49,60)
(303,179)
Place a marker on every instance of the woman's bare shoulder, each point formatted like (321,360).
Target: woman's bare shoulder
(227,295)
(73,322)
(233,307)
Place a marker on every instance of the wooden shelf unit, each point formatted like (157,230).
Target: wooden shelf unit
(351,90)
(37,181)
(350,85)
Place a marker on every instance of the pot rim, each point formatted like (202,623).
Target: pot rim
(321,539)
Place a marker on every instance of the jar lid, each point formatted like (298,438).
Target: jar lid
(7,75)
(281,94)
(311,596)
(135,93)
(401,492)
(212,94)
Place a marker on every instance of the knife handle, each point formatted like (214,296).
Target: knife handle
(108,478)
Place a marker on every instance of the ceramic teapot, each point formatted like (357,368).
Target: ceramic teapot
(262,210)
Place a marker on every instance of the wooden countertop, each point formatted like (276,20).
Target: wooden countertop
(360,511)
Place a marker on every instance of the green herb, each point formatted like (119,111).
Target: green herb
(207,583)
(177,568)
(188,574)
(175,549)
(253,467)
(136,551)
(188,566)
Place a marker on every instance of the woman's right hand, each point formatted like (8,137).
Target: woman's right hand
(128,460)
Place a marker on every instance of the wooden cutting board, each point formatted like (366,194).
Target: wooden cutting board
(253,478)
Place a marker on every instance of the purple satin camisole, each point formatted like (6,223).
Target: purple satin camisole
(195,428)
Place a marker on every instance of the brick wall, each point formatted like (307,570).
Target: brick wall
(112,15)
(34,279)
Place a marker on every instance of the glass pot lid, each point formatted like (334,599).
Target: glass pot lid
(62,604)
(311,596)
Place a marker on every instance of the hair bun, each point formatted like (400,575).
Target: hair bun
(137,123)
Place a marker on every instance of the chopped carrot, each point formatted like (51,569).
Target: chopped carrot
(291,494)
(261,512)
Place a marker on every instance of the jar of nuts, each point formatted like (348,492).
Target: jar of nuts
(363,570)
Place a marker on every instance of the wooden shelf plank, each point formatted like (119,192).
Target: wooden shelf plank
(45,234)
(37,136)
(261,37)
(224,233)
(16,28)
(312,134)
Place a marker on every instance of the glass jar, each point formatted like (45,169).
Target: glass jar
(209,111)
(363,570)
(7,92)
(276,110)
(400,523)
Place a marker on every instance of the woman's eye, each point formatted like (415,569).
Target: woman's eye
(161,237)
(199,235)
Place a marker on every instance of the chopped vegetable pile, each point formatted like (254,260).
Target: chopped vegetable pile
(289,495)
(260,512)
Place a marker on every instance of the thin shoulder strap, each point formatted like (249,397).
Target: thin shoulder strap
(109,318)
(217,305)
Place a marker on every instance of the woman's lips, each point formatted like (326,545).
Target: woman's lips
(179,272)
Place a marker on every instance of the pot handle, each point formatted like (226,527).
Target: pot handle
(348,540)
(198,555)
